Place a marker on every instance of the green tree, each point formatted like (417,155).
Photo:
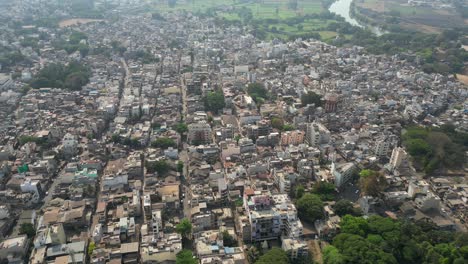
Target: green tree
(325,190)
(287,127)
(344,207)
(180,166)
(181,128)
(311,98)
(185,257)
(354,225)
(277,123)
(228,240)
(310,207)
(159,166)
(27,229)
(299,191)
(274,256)
(331,255)
(356,249)
(184,227)
(91,248)
(214,101)
(163,142)
(257,91)
(418,147)
(372,182)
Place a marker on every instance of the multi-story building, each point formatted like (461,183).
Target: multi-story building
(295,249)
(398,155)
(342,172)
(199,133)
(295,137)
(271,216)
(70,145)
(317,134)
(382,147)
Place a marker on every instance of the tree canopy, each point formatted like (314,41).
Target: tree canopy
(372,182)
(186,257)
(436,148)
(384,240)
(344,207)
(159,166)
(27,229)
(325,190)
(257,91)
(214,101)
(228,240)
(72,76)
(310,207)
(274,256)
(181,128)
(163,142)
(311,98)
(184,227)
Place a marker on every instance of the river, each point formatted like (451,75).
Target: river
(343,7)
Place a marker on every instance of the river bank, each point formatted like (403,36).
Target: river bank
(343,9)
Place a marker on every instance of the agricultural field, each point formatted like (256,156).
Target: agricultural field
(422,18)
(262,9)
(272,17)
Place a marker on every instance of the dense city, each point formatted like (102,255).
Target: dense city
(164,137)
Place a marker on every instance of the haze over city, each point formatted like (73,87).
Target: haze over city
(233,131)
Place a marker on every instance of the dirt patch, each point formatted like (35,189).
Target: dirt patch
(463,79)
(375,5)
(421,27)
(77,21)
(316,252)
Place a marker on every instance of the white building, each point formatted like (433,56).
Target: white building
(317,134)
(382,147)
(171,153)
(342,172)
(295,248)
(398,155)
(69,145)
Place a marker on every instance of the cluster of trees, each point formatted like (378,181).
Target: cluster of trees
(228,240)
(279,124)
(145,56)
(184,228)
(384,240)
(164,142)
(84,8)
(27,229)
(310,207)
(439,53)
(372,182)
(436,148)
(159,166)
(132,142)
(214,101)
(325,190)
(346,207)
(311,98)
(11,58)
(74,43)
(273,256)
(181,128)
(258,92)
(72,76)
(186,257)
(25,139)
(118,47)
